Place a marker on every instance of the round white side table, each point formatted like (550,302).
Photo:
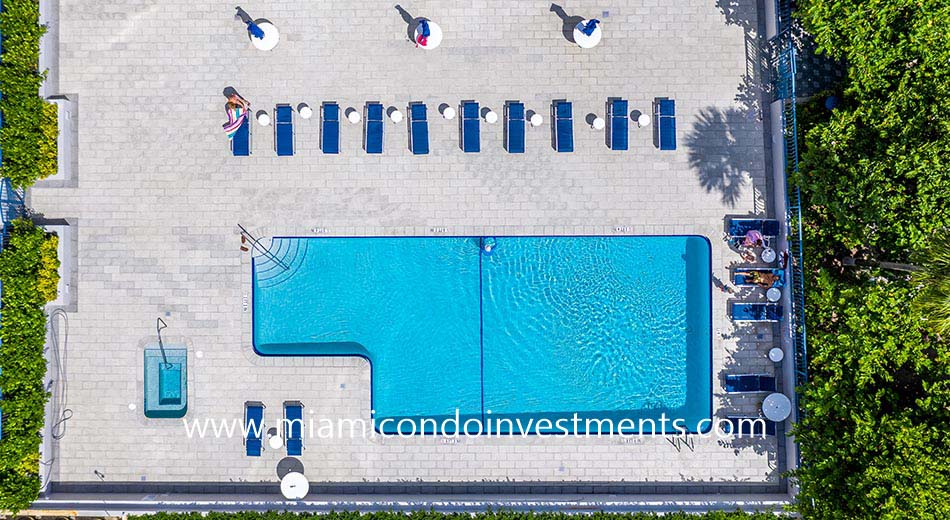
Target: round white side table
(643,120)
(777,407)
(434,39)
(582,40)
(598,123)
(491,117)
(271,37)
(776,355)
(536,120)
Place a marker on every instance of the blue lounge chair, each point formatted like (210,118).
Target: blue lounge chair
(293,427)
(284,130)
(514,127)
(241,142)
(469,139)
(254,425)
(748,426)
(373,128)
(418,129)
(750,383)
(664,124)
(330,128)
(562,126)
(741,277)
(755,312)
(617,124)
(738,227)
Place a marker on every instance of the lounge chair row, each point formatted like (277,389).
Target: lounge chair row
(254,428)
(562,127)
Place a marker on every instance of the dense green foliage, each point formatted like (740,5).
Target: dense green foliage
(875,181)
(28,270)
(26,139)
(432,515)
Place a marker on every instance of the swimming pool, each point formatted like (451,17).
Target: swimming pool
(607,327)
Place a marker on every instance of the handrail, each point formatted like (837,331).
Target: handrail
(255,243)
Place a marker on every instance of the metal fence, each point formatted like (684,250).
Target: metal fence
(11,207)
(784,56)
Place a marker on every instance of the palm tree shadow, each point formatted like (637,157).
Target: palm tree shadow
(717,151)
(568,22)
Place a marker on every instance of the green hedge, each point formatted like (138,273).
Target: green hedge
(432,515)
(28,271)
(27,140)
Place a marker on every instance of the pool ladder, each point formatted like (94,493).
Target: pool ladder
(256,244)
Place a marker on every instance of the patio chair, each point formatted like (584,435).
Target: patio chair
(418,129)
(738,383)
(748,426)
(373,128)
(293,427)
(740,279)
(254,427)
(514,127)
(284,130)
(617,124)
(664,123)
(469,139)
(740,311)
(241,142)
(562,126)
(330,128)
(738,227)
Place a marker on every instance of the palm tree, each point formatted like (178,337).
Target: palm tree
(933,301)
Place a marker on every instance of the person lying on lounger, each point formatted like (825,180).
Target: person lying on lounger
(237,109)
(763,279)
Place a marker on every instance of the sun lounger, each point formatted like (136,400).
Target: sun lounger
(748,426)
(241,142)
(738,227)
(617,124)
(514,127)
(740,279)
(664,124)
(373,128)
(254,425)
(418,129)
(750,383)
(755,312)
(284,130)
(330,128)
(293,427)
(469,139)
(562,126)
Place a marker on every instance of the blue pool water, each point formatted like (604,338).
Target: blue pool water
(543,327)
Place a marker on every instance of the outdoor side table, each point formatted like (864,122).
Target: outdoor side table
(435,36)
(448,113)
(274,440)
(774,294)
(536,119)
(294,486)
(582,40)
(271,37)
(354,117)
(776,355)
(395,116)
(491,117)
(777,407)
(768,255)
(598,123)
(263,119)
(306,112)
(643,120)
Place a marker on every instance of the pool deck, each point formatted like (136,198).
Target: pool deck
(155,198)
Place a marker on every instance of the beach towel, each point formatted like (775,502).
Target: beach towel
(236,117)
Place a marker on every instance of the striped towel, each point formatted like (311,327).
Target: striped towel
(236,117)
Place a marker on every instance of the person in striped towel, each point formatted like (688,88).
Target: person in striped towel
(237,109)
